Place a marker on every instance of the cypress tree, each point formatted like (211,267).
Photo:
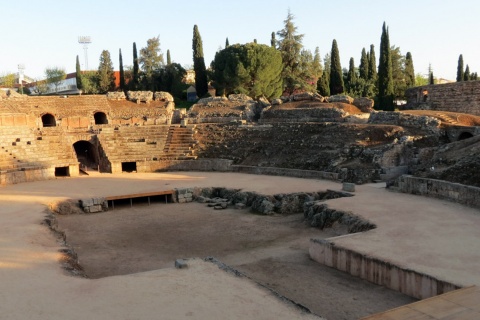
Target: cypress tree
(385,73)
(136,79)
(78,75)
(363,68)
(460,72)
(431,79)
(106,75)
(372,64)
(317,65)
(122,71)
(201,83)
(169,59)
(323,86)
(409,71)
(466,75)
(227,43)
(273,41)
(336,76)
(351,75)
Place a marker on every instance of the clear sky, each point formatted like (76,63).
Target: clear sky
(41,34)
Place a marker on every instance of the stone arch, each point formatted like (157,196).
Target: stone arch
(100,117)
(48,120)
(87,154)
(464,135)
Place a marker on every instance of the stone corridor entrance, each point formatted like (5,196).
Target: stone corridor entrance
(86,154)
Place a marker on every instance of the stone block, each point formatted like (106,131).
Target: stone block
(84,203)
(348,186)
(98,201)
(95,208)
(182,200)
(240,206)
(181,264)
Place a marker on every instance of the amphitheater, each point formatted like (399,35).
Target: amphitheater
(303,207)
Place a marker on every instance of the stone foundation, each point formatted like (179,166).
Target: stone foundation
(409,282)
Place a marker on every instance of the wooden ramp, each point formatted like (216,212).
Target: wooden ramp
(461,304)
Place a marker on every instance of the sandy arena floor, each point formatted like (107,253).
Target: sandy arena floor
(34,286)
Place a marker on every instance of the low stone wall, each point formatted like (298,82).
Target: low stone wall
(296,173)
(456,192)
(409,282)
(302,115)
(189,165)
(26,175)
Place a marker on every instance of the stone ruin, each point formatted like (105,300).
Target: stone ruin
(142,131)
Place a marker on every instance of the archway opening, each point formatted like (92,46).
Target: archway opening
(86,154)
(48,120)
(100,118)
(464,135)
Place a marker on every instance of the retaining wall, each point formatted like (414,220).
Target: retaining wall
(409,282)
(455,97)
(297,173)
(456,192)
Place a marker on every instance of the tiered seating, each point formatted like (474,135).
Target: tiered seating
(24,148)
(146,143)
(180,143)
(134,143)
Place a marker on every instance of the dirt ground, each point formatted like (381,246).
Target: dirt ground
(272,250)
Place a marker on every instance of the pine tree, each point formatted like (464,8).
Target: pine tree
(409,71)
(460,72)
(122,71)
(336,76)
(385,73)
(136,76)
(201,82)
(290,45)
(372,65)
(169,59)
(106,76)
(363,68)
(273,41)
(351,75)
(466,75)
(227,43)
(78,75)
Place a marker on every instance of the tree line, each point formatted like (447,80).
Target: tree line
(259,70)
(286,67)
(147,72)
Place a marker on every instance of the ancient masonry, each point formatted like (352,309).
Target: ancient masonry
(46,137)
(461,97)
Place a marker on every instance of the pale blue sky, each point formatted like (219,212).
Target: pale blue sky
(41,34)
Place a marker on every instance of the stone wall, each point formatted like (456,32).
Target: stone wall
(456,192)
(428,124)
(409,282)
(189,165)
(303,115)
(455,97)
(26,175)
(297,173)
